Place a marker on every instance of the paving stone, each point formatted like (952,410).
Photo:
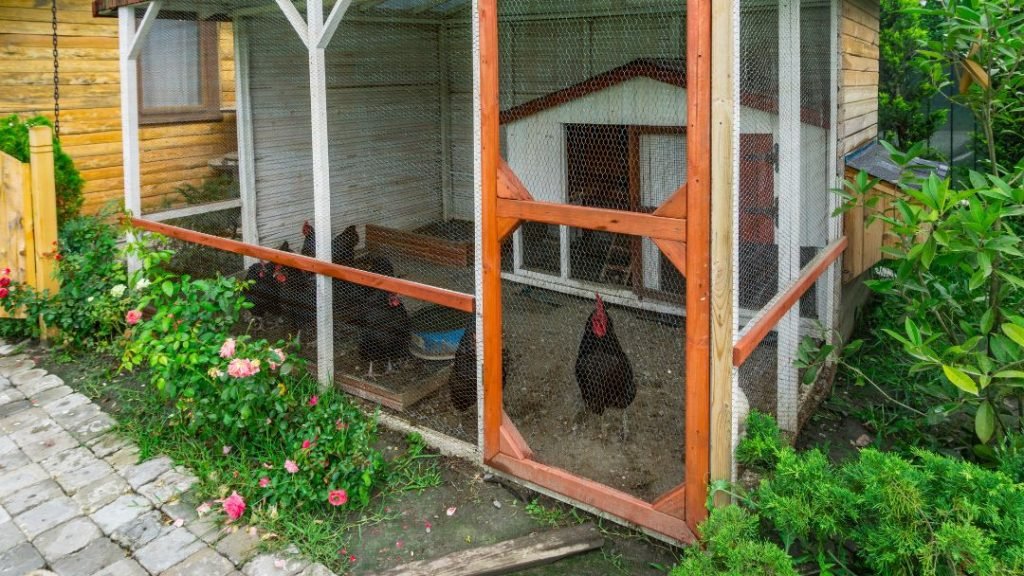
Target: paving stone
(167,550)
(11,482)
(141,531)
(167,486)
(13,460)
(75,480)
(92,428)
(69,460)
(7,445)
(39,449)
(19,560)
(47,515)
(67,538)
(14,365)
(99,554)
(145,472)
(124,458)
(207,529)
(72,418)
(5,516)
(268,565)
(26,418)
(63,406)
(10,536)
(106,444)
(121,511)
(206,562)
(126,567)
(27,377)
(10,395)
(33,387)
(100,493)
(317,570)
(239,545)
(31,496)
(50,395)
(14,407)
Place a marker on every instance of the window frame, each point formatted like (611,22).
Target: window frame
(209,83)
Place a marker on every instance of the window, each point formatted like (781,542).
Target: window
(178,76)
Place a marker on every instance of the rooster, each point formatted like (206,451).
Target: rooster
(385,331)
(603,371)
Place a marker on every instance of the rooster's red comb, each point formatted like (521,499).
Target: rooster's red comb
(306,228)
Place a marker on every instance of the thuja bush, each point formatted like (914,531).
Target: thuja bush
(881,513)
(14,141)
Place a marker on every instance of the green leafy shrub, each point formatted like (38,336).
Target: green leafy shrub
(730,545)
(14,141)
(763,443)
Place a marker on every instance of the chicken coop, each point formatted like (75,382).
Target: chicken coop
(575,241)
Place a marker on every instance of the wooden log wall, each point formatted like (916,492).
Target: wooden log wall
(172,154)
(858,92)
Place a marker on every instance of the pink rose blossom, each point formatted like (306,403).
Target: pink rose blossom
(226,450)
(306,444)
(290,466)
(133,317)
(242,368)
(264,482)
(4,292)
(203,509)
(337,497)
(5,282)
(280,356)
(314,400)
(234,506)
(227,349)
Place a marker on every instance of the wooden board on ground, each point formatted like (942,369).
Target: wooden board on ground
(508,556)
(396,400)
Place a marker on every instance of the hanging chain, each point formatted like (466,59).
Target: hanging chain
(56,74)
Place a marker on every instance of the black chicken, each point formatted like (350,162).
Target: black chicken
(603,371)
(265,291)
(462,381)
(385,331)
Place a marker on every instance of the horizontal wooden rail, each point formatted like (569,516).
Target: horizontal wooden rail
(765,320)
(194,210)
(618,221)
(432,294)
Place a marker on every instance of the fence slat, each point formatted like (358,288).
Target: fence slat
(44,207)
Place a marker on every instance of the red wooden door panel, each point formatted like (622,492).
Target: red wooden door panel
(757,188)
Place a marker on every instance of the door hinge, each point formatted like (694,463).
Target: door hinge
(770,157)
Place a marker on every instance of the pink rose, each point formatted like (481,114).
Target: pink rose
(5,282)
(242,368)
(226,450)
(234,506)
(337,497)
(4,292)
(264,482)
(290,466)
(306,444)
(133,317)
(314,400)
(227,349)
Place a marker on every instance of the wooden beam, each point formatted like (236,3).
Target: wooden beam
(439,296)
(759,327)
(331,25)
(129,69)
(143,28)
(596,495)
(672,502)
(603,219)
(508,556)
(723,231)
(698,272)
(194,210)
(510,186)
(512,442)
(675,251)
(295,19)
(675,206)
(487,20)
(244,135)
(507,226)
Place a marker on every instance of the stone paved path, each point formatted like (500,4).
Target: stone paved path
(75,500)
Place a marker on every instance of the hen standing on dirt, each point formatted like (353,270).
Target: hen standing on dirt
(603,371)
(265,291)
(385,331)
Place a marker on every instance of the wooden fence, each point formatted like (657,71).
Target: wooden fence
(28,214)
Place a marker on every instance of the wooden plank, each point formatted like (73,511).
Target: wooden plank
(675,206)
(420,246)
(675,251)
(596,495)
(44,207)
(384,396)
(487,21)
(512,441)
(698,269)
(672,502)
(723,80)
(510,186)
(509,556)
(759,327)
(14,189)
(618,221)
(440,296)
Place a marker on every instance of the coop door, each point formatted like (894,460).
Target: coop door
(662,169)
(757,189)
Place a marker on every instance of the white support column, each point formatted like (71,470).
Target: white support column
(321,188)
(788,329)
(129,117)
(246,146)
(478,267)
(833,278)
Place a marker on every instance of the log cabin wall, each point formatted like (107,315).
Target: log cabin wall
(858,88)
(90,120)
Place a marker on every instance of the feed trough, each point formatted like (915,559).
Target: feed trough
(436,332)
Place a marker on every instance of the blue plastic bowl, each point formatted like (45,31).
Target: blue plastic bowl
(436,345)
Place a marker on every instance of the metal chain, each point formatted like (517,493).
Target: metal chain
(56,74)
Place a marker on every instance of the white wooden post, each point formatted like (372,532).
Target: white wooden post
(478,268)
(788,330)
(246,146)
(833,278)
(321,187)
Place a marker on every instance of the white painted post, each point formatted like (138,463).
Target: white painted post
(246,146)
(478,267)
(129,118)
(833,278)
(788,330)
(321,187)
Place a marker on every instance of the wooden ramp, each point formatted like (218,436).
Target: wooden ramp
(508,556)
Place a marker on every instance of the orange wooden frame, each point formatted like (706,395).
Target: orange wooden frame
(427,293)
(681,228)
(770,315)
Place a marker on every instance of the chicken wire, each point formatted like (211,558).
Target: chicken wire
(784,188)
(593,110)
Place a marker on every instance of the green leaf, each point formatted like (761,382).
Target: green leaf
(1015,332)
(913,332)
(1010,374)
(960,379)
(985,422)
(168,288)
(977,279)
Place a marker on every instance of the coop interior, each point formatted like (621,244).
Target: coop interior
(593,113)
